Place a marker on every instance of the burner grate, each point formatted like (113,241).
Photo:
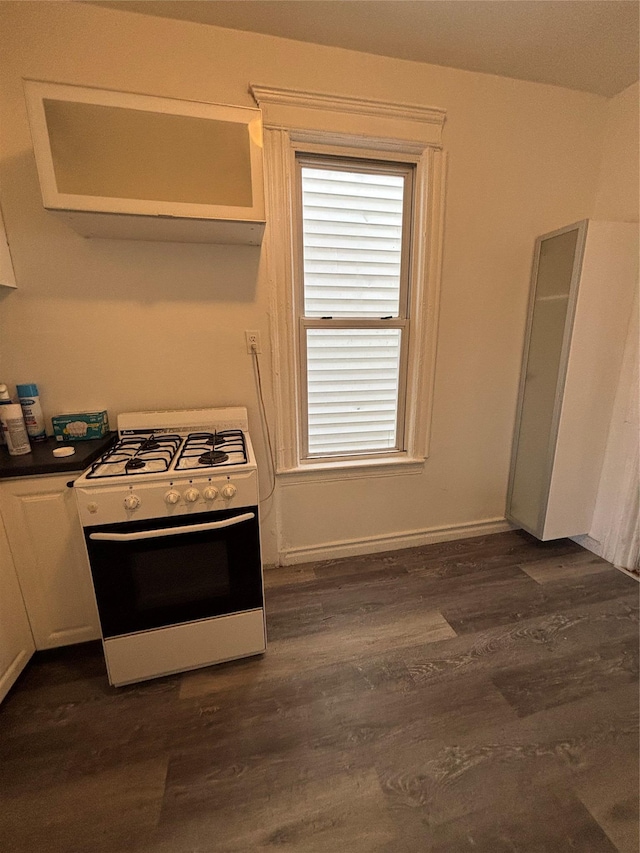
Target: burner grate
(212,449)
(137,455)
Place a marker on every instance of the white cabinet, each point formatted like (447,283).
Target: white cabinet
(16,640)
(48,550)
(583,282)
(140,167)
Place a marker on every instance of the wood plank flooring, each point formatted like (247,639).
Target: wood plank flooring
(478,696)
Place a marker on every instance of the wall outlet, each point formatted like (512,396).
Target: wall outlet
(253,342)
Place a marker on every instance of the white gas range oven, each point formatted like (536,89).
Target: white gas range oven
(170,518)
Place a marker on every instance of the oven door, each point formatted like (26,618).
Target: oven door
(152,574)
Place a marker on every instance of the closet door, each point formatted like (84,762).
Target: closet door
(556,271)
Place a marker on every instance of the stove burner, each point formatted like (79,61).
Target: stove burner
(134,464)
(213,457)
(143,455)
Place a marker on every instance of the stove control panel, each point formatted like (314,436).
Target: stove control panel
(111,503)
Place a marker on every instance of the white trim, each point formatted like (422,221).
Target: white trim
(277,249)
(425,298)
(266,97)
(403,139)
(391,541)
(353,469)
(315,142)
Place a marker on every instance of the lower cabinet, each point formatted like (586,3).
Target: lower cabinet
(16,640)
(47,545)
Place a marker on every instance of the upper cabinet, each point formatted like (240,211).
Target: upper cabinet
(139,167)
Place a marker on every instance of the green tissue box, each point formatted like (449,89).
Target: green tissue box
(80,426)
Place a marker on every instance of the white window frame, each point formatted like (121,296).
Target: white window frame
(294,125)
(402,321)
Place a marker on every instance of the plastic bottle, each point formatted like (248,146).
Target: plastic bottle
(13,427)
(30,401)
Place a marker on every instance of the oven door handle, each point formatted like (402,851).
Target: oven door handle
(171,531)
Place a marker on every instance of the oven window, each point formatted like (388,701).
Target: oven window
(182,576)
(155,582)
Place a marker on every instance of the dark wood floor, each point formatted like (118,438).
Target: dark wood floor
(471,696)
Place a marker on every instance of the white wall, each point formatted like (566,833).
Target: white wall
(618,180)
(125,325)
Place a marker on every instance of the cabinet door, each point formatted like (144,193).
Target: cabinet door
(48,549)
(16,641)
(550,318)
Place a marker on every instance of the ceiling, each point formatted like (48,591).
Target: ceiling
(589,45)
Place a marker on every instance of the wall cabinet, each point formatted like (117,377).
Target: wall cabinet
(583,283)
(16,640)
(47,545)
(115,164)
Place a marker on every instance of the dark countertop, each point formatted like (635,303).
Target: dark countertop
(42,461)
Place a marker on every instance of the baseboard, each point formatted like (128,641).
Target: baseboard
(13,671)
(628,573)
(391,542)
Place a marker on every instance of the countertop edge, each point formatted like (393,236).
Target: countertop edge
(41,460)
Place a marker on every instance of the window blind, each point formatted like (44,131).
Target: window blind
(352,237)
(352,252)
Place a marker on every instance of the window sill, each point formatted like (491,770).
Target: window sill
(352,470)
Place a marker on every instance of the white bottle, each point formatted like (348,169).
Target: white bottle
(13,428)
(34,419)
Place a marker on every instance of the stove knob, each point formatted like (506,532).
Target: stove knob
(172,497)
(210,493)
(228,491)
(131,502)
(191,495)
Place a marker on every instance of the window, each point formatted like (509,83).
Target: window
(354,238)
(355,191)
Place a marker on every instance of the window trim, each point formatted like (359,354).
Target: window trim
(410,135)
